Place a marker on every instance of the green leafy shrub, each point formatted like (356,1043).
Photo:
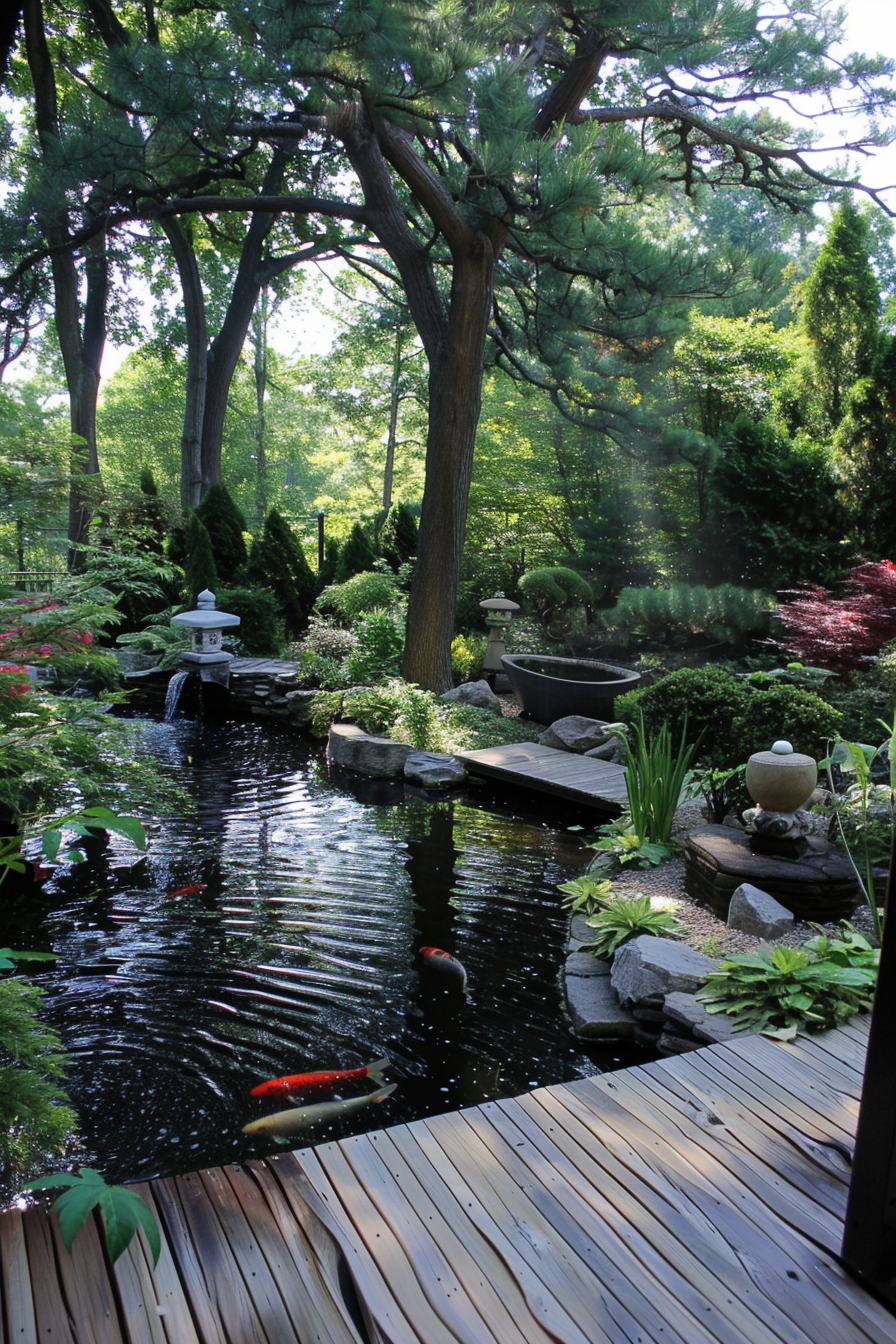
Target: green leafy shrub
(160,639)
(371,591)
(726,613)
(553,591)
(785,990)
(621,845)
(380,646)
(623,918)
(260,631)
(467,656)
(36,1121)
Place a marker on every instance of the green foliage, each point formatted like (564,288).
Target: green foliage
(586,895)
(841,306)
(774,511)
(729,716)
(260,631)
(621,845)
(380,646)
(369,591)
(725,613)
(655,779)
(123,1210)
(356,556)
(850,948)
(159,638)
(278,562)
(728,366)
(467,655)
(552,592)
(199,566)
(36,1123)
(623,918)
(226,527)
(785,990)
(398,536)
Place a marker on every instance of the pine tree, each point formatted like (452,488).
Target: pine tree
(225,524)
(278,562)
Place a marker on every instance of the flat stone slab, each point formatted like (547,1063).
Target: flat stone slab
(687,1010)
(595,1010)
(818,885)
(350,747)
(582,963)
(434,770)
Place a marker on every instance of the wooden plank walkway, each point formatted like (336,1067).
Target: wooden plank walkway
(696,1200)
(530,765)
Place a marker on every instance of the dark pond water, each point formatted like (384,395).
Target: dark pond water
(301,953)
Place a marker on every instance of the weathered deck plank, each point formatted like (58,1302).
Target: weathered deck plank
(697,1200)
(599,784)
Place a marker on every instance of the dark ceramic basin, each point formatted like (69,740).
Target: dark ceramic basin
(552,688)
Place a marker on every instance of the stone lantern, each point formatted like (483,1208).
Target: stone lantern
(206,626)
(499,615)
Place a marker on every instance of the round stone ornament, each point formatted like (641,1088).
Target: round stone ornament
(780,780)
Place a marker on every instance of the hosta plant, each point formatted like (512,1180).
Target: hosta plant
(784,990)
(621,844)
(625,917)
(586,895)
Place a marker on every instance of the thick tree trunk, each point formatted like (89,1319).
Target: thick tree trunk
(197,361)
(455,400)
(394,399)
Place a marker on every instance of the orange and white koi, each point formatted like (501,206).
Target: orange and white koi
(443,961)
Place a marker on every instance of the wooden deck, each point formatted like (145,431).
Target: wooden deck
(697,1200)
(598,784)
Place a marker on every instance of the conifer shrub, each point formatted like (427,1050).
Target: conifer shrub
(327,573)
(356,556)
(225,523)
(278,563)
(398,536)
(199,563)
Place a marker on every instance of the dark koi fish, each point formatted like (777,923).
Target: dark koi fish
(187,891)
(443,961)
(283,1123)
(312,1084)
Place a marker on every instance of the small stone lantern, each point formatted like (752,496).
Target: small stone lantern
(206,626)
(499,615)
(780,782)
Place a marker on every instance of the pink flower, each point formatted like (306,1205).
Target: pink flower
(45,648)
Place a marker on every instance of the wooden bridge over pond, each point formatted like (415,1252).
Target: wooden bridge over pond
(697,1200)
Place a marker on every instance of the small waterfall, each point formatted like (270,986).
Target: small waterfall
(172,695)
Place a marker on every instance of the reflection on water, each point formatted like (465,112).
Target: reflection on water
(298,952)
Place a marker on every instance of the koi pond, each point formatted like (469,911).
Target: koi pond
(295,947)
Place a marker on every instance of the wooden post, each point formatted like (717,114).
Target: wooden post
(869,1236)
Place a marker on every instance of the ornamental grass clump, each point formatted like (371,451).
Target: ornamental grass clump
(655,778)
(781,991)
(623,918)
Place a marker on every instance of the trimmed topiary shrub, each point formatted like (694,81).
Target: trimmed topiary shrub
(553,591)
(225,524)
(278,562)
(724,613)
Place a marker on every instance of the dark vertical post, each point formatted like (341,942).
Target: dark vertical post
(320,540)
(869,1235)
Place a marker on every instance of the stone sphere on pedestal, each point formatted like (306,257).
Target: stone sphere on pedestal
(780,780)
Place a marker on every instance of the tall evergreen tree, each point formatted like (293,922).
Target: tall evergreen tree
(356,556)
(841,310)
(200,560)
(278,562)
(226,526)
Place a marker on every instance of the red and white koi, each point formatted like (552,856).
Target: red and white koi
(283,1123)
(187,891)
(321,1083)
